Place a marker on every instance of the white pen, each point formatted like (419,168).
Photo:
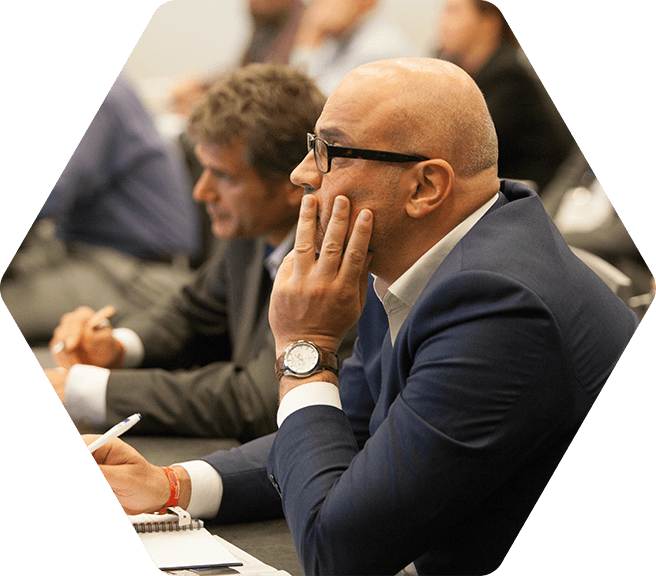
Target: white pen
(115,432)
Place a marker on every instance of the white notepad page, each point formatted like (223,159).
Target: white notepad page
(190,548)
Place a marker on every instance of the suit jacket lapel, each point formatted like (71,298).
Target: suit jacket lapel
(253,300)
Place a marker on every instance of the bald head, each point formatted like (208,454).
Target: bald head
(422,106)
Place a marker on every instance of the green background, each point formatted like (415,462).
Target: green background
(596,516)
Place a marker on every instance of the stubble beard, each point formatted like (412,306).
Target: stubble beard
(319,235)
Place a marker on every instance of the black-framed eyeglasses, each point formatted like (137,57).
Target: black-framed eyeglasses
(324,153)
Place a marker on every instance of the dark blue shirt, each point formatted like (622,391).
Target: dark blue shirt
(125,187)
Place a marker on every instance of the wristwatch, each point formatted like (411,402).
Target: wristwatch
(302,358)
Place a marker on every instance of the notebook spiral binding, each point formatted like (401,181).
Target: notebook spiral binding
(168,526)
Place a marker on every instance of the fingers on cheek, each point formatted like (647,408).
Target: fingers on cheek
(362,232)
(364,221)
(339,219)
(309,208)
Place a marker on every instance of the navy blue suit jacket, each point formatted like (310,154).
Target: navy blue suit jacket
(448,437)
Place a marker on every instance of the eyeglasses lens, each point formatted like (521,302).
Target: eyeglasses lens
(320,152)
(321,155)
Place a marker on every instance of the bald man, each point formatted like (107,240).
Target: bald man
(482,344)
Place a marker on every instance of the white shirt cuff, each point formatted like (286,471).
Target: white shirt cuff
(310,394)
(86,388)
(134,350)
(206,489)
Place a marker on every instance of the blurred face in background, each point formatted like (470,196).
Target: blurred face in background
(240,203)
(460,27)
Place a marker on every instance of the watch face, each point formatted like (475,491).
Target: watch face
(302,358)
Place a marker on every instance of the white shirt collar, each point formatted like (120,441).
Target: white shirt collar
(399,297)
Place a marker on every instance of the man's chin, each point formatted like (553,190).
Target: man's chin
(222,231)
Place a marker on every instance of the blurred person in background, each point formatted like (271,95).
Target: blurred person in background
(120,225)
(533,138)
(336,36)
(275,24)
(579,207)
(274,27)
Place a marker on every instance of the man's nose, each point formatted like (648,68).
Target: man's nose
(205,190)
(306,173)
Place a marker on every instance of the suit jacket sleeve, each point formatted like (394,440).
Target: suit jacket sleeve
(248,493)
(193,382)
(192,327)
(221,400)
(214,355)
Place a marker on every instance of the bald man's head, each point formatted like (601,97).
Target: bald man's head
(422,106)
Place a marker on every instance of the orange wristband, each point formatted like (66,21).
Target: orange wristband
(174,481)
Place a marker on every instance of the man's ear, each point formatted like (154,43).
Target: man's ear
(433,183)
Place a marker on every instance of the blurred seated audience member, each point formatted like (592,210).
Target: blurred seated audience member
(119,227)
(274,27)
(533,138)
(202,363)
(336,36)
(585,217)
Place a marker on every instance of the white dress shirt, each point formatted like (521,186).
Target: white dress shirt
(86,386)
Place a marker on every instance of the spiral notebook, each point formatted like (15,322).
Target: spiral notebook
(175,541)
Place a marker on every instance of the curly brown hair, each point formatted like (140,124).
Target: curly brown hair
(269,106)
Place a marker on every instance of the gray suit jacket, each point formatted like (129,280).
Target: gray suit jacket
(209,355)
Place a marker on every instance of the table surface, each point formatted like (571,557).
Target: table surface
(269,541)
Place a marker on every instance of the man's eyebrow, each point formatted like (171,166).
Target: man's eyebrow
(217,170)
(331,135)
